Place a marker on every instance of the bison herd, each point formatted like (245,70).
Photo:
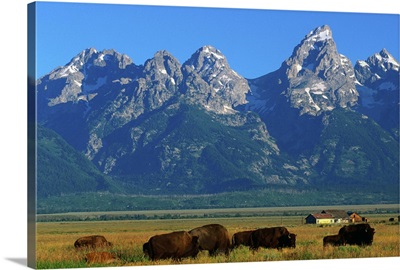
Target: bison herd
(215,239)
(360,234)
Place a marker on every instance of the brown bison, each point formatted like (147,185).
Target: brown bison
(275,237)
(92,241)
(241,238)
(100,257)
(292,240)
(214,238)
(175,245)
(359,234)
(333,240)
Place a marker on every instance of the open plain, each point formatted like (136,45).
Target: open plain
(55,240)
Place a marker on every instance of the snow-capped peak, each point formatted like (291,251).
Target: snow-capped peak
(379,71)
(385,56)
(210,51)
(75,64)
(226,89)
(320,34)
(208,61)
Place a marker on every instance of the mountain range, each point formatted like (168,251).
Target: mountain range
(200,127)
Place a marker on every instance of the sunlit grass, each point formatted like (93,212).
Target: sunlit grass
(55,241)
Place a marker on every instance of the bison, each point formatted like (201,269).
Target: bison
(175,245)
(292,240)
(275,237)
(334,240)
(92,241)
(241,238)
(214,238)
(100,257)
(359,234)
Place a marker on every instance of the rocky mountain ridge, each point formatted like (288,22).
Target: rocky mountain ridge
(378,85)
(201,127)
(127,114)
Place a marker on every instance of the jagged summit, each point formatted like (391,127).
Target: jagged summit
(316,52)
(316,78)
(386,57)
(87,59)
(92,57)
(212,83)
(384,61)
(84,76)
(385,54)
(319,34)
(378,85)
(207,60)
(376,68)
(210,52)
(163,68)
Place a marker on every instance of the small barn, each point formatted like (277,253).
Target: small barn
(319,218)
(354,217)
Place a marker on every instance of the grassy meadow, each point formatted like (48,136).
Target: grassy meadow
(55,240)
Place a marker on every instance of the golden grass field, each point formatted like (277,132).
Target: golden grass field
(55,240)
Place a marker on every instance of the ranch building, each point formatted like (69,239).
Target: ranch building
(328,217)
(354,217)
(319,218)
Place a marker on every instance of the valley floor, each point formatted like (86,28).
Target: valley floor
(55,240)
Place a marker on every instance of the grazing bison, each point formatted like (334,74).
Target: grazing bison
(359,234)
(275,237)
(100,257)
(175,245)
(214,238)
(146,249)
(334,240)
(292,240)
(241,238)
(92,241)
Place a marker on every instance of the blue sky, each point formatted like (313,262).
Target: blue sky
(255,42)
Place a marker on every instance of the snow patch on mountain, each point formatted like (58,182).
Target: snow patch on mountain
(71,69)
(320,34)
(210,52)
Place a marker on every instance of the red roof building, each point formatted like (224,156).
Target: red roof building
(328,217)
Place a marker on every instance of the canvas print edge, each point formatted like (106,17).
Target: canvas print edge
(32,199)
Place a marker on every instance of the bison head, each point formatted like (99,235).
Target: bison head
(146,248)
(288,240)
(292,239)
